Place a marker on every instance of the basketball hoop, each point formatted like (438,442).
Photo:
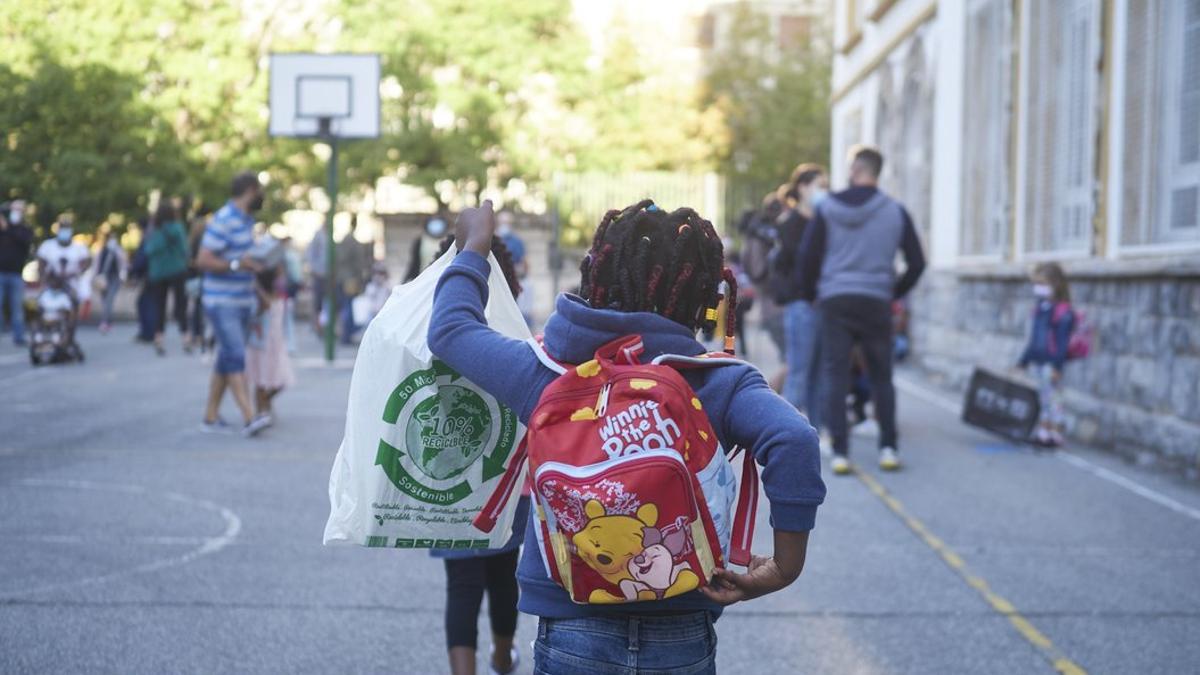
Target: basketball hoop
(330,97)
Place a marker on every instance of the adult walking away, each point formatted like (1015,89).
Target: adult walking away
(801,319)
(353,268)
(229,300)
(848,266)
(315,256)
(167,260)
(111,263)
(16,240)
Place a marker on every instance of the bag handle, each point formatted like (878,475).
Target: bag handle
(485,521)
(747,507)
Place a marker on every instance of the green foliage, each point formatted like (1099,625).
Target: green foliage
(775,108)
(82,140)
(110,100)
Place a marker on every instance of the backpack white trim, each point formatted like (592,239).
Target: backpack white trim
(542,356)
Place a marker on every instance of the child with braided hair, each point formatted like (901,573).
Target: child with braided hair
(661,276)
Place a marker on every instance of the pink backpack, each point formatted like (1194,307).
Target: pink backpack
(1082,333)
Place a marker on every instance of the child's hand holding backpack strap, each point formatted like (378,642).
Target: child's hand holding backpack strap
(765,575)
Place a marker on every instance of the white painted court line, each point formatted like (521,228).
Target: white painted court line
(951,406)
(208,545)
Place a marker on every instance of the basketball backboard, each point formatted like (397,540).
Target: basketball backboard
(341,88)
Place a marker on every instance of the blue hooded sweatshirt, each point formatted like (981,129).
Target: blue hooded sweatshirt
(744,411)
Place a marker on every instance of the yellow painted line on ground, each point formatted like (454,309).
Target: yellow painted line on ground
(1027,630)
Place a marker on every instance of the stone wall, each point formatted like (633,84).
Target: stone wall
(1138,393)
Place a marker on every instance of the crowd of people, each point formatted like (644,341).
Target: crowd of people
(833,303)
(821,264)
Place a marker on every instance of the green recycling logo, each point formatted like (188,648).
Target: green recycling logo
(446,425)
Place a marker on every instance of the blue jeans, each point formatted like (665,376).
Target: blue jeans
(12,295)
(231,328)
(685,644)
(803,387)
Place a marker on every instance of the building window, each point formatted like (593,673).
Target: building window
(793,32)
(1160,173)
(1060,125)
(987,118)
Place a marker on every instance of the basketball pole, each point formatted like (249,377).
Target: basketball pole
(330,257)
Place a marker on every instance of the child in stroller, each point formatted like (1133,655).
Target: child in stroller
(53,324)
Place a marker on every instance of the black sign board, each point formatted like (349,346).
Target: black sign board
(1001,405)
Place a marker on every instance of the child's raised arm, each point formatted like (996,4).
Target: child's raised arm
(505,367)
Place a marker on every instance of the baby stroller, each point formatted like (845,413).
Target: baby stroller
(51,319)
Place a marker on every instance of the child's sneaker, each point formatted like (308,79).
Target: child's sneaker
(889,460)
(840,465)
(217,426)
(256,425)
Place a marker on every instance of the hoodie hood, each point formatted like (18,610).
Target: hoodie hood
(575,331)
(851,208)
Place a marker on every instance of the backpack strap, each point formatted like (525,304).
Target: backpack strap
(744,515)
(486,519)
(539,349)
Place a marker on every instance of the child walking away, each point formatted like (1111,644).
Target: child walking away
(471,573)
(646,585)
(268,366)
(1049,347)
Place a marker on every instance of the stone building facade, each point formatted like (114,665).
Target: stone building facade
(1021,131)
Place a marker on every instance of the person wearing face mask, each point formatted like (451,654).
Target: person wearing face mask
(63,257)
(16,239)
(425,247)
(801,319)
(229,299)
(1047,350)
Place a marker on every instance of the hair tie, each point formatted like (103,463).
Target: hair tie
(711,314)
(683,227)
(653,207)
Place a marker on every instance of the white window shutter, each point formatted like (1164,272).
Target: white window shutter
(985,209)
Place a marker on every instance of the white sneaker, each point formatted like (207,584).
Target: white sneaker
(889,460)
(840,465)
(826,444)
(256,425)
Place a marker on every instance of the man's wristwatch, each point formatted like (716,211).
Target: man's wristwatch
(234,265)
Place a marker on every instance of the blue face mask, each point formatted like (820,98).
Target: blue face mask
(817,197)
(64,235)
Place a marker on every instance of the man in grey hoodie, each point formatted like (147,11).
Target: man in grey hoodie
(848,266)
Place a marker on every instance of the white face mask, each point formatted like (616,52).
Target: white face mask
(14,216)
(64,235)
(1042,290)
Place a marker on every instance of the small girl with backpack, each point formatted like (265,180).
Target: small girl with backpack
(1057,334)
(623,580)
(472,573)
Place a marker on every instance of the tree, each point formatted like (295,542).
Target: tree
(81,140)
(775,102)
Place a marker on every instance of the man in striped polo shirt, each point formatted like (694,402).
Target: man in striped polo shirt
(228,297)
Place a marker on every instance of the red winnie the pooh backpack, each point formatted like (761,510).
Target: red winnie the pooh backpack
(634,492)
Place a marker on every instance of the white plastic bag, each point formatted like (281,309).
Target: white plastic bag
(423,447)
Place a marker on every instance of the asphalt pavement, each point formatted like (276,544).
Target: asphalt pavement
(132,543)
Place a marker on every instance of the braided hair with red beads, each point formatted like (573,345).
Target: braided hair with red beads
(644,259)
